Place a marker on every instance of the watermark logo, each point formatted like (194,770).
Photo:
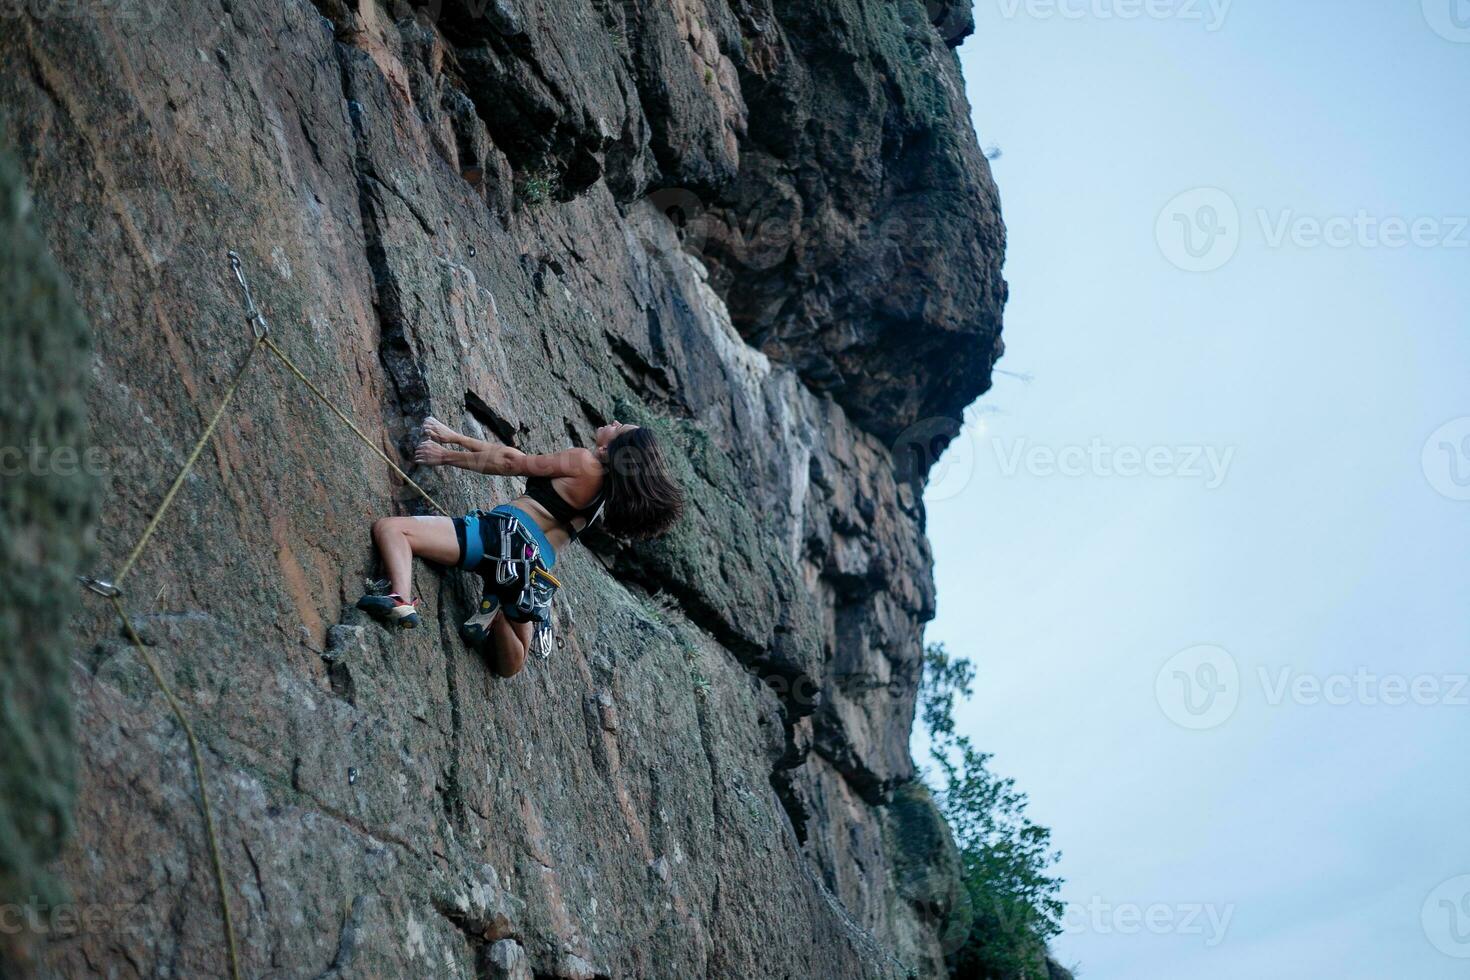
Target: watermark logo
(1210,14)
(1199,688)
(1364,687)
(1363,229)
(1446,459)
(951,454)
(1208,464)
(1450,19)
(1446,917)
(1199,230)
(69,919)
(937,447)
(952,472)
(1206,920)
(38,459)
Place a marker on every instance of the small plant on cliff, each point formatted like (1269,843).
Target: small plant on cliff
(1004,857)
(538,187)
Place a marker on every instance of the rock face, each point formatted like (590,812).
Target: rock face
(762,228)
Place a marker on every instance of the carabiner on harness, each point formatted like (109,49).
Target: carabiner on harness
(521,581)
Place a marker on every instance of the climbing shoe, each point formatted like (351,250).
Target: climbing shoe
(391,610)
(476,629)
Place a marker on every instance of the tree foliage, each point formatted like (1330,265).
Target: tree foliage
(1005,857)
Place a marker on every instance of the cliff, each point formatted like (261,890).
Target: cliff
(763,228)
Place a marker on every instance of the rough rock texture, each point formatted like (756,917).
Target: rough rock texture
(46,509)
(504,213)
(864,243)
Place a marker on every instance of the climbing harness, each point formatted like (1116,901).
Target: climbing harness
(111,590)
(517,576)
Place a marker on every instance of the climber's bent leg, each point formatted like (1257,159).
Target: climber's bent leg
(399,539)
(512,640)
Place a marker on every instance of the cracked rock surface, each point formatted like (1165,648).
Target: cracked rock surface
(764,229)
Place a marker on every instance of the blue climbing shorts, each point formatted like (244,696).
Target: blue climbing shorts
(479,538)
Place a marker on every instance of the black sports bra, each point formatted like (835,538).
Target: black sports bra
(541,490)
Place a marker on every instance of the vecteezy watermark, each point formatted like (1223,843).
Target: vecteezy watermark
(64,919)
(948,453)
(800,691)
(1362,229)
(1199,230)
(1446,459)
(1363,686)
(1202,229)
(41,460)
(1445,917)
(1209,13)
(1210,464)
(1199,688)
(1102,918)
(1450,19)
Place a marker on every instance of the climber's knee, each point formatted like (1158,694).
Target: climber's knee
(509,659)
(384,526)
(510,646)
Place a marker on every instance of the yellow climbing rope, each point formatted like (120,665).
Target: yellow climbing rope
(271,346)
(168,498)
(112,591)
(178,710)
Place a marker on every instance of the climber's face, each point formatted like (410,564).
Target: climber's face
(607,433)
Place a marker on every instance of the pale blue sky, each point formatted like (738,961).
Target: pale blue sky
(1290,836)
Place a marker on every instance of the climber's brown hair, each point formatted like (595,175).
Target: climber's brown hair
(643,499)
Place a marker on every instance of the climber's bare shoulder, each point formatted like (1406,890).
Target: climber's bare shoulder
(570,464)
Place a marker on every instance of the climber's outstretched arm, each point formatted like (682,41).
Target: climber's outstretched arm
(493,459)
(507,461)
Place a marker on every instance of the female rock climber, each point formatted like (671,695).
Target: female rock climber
(623,480)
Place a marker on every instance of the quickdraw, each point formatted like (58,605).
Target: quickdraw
(517,575)
(111,589)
